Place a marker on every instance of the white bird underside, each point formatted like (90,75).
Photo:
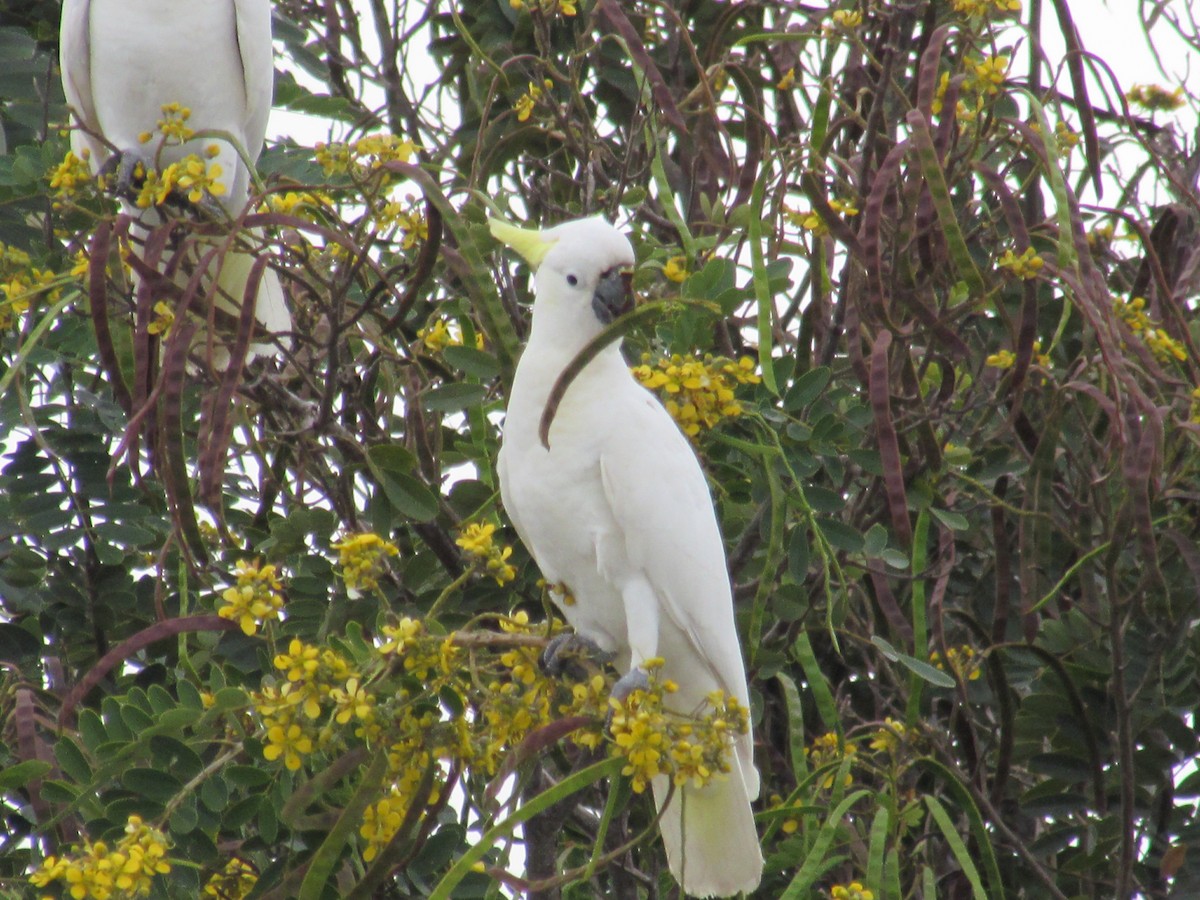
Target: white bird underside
(618,510)
(122,60)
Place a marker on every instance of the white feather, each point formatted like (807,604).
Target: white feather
(122,60)
(619,511)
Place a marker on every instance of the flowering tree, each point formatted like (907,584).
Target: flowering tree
(266,631)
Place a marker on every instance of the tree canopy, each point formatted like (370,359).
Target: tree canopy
(921,292)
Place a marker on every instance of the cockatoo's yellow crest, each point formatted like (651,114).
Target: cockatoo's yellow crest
(530,243)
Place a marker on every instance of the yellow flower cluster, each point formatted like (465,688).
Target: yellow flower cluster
(405,217)
(172,126)
(164,318)
(655,741)
(547,7)
(97,872)
(236,881)
(1067,137)
(190,176)
(787,81)
(20,282)
(362,558)
(890,737)
(698,393)
(811,221)
(825,750)
(961,660)
(477,540)
(515,702)
(365,155)
(847,19)
(984,76)
(528,101)
(675,269)
(70,176)
(254,599)
(1133,313)
(1025,266)
(791,824)
(432,659)
(1006,359)
(301,204)
(442,333)
(983,8)
(1153,97)
(852,891)
(317,680)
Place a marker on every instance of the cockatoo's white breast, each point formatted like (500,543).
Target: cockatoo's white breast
(212,56)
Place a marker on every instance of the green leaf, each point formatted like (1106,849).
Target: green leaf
(807,388)
(153,784)
(922,670)
(952,520)
(409,497)
(72,761)
(453,397)
(20,775)
(474,362)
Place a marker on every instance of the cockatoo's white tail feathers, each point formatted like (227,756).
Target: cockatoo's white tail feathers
(270,307)
(709,834)
(529,242)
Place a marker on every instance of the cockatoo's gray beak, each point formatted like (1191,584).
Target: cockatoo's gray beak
(614,294)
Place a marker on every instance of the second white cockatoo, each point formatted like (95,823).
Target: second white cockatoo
(124,60)
(617,513)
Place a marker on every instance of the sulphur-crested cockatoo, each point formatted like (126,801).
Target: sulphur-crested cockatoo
(123,60)
(617,512)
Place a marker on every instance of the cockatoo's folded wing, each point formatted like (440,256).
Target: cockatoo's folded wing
(258,67)
(660,500)
(75,51)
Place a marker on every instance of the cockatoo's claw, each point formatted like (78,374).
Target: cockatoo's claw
(570,654)
(120,171)
(633,680)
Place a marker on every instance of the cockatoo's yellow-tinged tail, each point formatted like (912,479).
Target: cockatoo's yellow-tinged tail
(709,835)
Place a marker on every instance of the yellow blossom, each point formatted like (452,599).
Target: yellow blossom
(163,319)
(890,737)
(1025,266)
(1164,347)
(234,882)
(476,539)
(362,560)
(172,125)
(961,660)
(852,891)
(675,269)
(254,599)
(289,741)
(847,19)
(526,102)
(99,872)
(987,74)
(698,393)
(788,79)
(69,176)
(1153,97)
(828,749)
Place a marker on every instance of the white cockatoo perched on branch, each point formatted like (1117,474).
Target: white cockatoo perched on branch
(124,60)
(618,513)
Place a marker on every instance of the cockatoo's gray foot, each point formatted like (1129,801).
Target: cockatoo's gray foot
(572,655)
(633,680)
(124,172)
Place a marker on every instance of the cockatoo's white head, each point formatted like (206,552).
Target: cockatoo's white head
(584,265)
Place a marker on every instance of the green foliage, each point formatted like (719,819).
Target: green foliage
(958,496)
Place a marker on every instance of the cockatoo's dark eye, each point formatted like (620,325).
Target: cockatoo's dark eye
(572,280)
